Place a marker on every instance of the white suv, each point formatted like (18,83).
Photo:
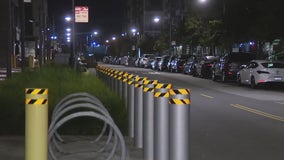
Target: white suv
(146,60)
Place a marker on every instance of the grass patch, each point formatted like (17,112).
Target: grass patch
(60,81)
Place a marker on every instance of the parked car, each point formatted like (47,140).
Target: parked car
(146,60)
(204,66)
(229,65)
(261,72)
(177,63)
(154,64)
(189,65)
(162,64)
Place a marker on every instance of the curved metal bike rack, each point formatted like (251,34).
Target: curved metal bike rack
(67,109)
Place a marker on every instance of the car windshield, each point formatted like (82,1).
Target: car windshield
(273,65)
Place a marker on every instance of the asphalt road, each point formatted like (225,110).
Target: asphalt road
(229,122)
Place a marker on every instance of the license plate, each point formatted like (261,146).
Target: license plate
(278,78)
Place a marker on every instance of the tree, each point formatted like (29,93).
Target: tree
(201,30)
(162,43)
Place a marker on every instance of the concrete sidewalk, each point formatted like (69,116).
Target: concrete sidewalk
(78,148)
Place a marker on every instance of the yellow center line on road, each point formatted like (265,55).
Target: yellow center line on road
(204,95)
(258,112)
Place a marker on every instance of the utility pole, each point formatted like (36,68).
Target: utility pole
(73,55)
(22,35)
(10,41)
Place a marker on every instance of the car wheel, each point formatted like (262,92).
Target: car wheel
(223,77)
(239,81)
(213,76)
(252,82)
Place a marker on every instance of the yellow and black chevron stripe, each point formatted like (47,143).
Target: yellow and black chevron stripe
(125,75)
(138,85)
(41,91)
(137,79)
(36,96)
(179,101)
(162,94)
(36,101)
(179,91)
(130,82)
(162,85)
(150,82)
(124,80)
(130,76)
(120,73)
(146,89)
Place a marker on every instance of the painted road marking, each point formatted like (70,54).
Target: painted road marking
(204,95)
(258,112)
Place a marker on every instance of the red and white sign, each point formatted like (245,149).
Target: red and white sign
(81,14)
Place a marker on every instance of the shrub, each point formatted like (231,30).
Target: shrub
(60,81)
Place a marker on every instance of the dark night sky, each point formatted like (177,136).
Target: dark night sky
(104,15)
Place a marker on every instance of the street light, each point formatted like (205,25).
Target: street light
(202,1)
(68,18)
(134,30)
(156,19)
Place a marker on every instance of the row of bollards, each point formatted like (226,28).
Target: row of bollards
(158,116)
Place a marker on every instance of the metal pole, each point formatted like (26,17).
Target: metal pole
(36,133)
(109,79)
(125,86)
(161,122)
(130,105)
(115,83)
(148,119)
(73,55)
(113,80)
(138,112)
(179,124)
(119,84)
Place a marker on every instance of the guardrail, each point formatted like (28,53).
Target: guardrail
(89,106)
(159,116)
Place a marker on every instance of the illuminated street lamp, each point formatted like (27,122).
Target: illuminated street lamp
(156,19)
(68,29)
(68,18)
(202,1)
(134,30)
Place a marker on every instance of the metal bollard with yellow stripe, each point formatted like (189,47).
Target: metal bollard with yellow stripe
(119,84)
(124,85)
(161,121)
(179,125)
(36,131)
(130,105)
(148,118)
(138,111)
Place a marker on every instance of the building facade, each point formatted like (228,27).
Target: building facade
(23,32)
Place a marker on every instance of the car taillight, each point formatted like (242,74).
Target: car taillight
(262,72)
(209,65)
(261,81)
